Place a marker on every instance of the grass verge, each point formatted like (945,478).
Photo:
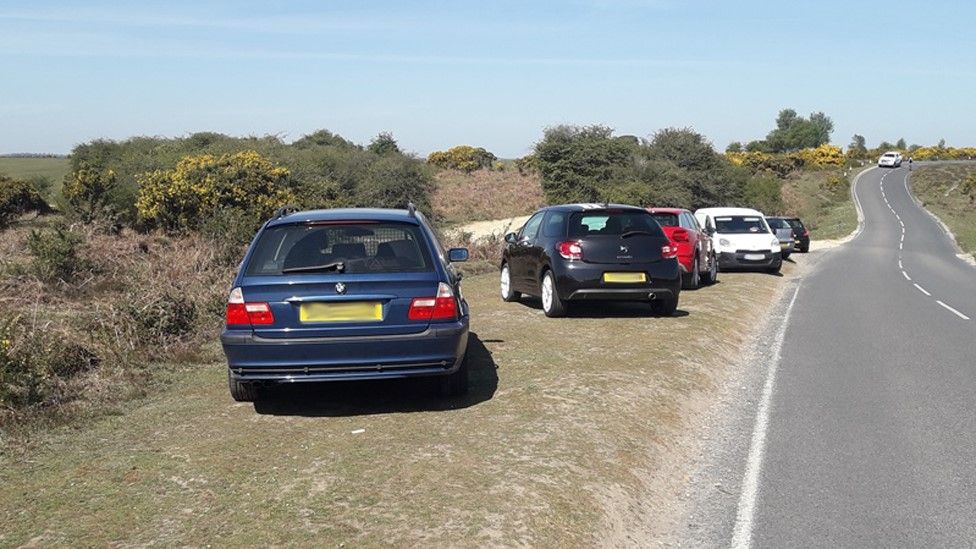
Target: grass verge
(942,190)
(485,194)
(821,198)
(561,441)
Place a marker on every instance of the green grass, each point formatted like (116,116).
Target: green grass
(829,214)
(561,442)
(939,187)
(54,169)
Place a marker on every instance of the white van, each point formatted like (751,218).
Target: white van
(742,238)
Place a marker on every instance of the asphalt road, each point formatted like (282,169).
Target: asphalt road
(868,436)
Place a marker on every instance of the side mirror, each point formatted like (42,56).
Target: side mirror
(457,255)
(511,238)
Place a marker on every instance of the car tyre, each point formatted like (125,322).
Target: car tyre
(664,307)
(775,269)
(505,282)
(711,275)
(242,391)
(693,280)
(786,255)
(455,384)
(552,304)
(805,249)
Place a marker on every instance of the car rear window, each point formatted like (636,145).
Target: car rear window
(739,224)
(361,247)
(778,223)
(795,223)
(612,223)
(666,219)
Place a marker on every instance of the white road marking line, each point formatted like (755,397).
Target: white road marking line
(955,312)
(901,245)
(902,237)
(899,264)
(921,289)
(908,278)
(742,535)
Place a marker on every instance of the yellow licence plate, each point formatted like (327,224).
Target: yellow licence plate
(625,277)
(341,311)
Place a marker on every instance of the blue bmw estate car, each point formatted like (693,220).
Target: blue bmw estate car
(346,294)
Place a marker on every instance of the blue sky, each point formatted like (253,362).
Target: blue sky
(491,74)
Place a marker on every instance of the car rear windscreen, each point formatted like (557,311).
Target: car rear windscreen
(778,223)
(739,224)
(360,247)
(612,223)
(795,223)
(666,219)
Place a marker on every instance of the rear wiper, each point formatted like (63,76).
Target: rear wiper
(632,233)
(338,266)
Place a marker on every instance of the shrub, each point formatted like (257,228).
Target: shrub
(824,155)
(764,194)
(576,163)
(392,182)
(463,157)
(161,318)
(87,192)
(17,198)
(55,254)
(182,198)
(383,144)
(527,164)
(36,363)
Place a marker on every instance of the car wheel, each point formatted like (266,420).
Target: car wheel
(664,307)
(242,391)
(552,305)
(693,280)
(455,384)
(805,249)
(711,275)
(508,294)
(775,269)
(786,255)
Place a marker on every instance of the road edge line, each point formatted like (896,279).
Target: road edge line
(745,511)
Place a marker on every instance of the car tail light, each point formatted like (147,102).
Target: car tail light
(441,307)
(680,235)
(669,250)
(806,232)
(241,313)
(571,250)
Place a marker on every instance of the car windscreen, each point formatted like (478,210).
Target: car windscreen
(739,224)
(353,247)
(666,219)
(612,223)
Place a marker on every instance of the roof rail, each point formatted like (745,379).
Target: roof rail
(285,210)
(411,209)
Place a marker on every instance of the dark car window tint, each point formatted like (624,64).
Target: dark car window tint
(738,224)
(795,223)
(531,227)
(554,225)
(360,247)
(666,219)
(778,223)
(612,223)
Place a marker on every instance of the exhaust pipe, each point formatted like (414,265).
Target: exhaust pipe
(652,296)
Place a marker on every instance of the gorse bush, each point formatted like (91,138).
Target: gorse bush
(17,198)
(36,364)
(182,198)
(87,191)
(55,254)
(463,157)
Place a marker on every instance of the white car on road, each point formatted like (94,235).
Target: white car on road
(890,159)
(742,238)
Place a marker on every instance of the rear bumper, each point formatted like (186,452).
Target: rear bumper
(737,260)
(438,350)
(584,282)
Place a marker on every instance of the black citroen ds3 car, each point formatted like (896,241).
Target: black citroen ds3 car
(591,252)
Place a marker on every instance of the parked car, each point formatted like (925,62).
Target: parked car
(784,232)
(591,252)
(345,294)
(801,233)
(742,238)
(890,159)
(696,256)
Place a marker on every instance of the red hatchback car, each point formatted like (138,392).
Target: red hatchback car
(696,255)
